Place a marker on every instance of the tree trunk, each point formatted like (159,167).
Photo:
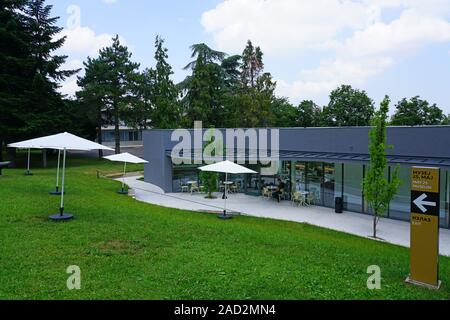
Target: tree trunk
(11,155)
(1,154)
(375,225)
(117,127)
(44,158)
(1,150)
(99,131)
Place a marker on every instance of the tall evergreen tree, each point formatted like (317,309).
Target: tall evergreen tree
(15,71)
(203,90)
(120,83)
(231,72)
(256,97)
(30,71)
(252,65)
(93,93)
(166,112)
(44,112)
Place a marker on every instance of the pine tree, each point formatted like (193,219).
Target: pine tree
(120,82)
(44,113)
(166,111)
(257,94)
(93,93)
(15,72)
(252,65)
(204,89)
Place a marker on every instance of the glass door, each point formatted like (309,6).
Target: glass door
(252,181)
(328,185)
(315,181)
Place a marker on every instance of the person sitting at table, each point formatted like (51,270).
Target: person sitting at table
(280,190)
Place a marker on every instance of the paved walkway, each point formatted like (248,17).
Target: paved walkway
(392,231)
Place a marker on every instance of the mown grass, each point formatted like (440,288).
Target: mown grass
(131,250)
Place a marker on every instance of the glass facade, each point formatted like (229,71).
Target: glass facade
(125,135)
(353,193)
(400,205)
(328,181)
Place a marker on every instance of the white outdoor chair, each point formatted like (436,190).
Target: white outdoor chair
(184,187)
(299,199)
(311,199)
(194,188)
(266,193)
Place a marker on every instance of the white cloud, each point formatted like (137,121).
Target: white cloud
(84,40)
(361,44)
(70,87)
(109,1)
(81,42)
(281,25)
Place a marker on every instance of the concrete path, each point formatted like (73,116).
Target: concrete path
(392,231)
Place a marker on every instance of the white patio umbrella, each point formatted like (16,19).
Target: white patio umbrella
(125,158)
(64,142)
(226,167)
(26,145)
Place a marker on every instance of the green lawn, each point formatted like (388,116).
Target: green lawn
(131,250)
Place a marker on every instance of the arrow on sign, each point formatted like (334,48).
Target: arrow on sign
(421,203)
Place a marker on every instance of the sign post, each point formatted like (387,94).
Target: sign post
(425,204)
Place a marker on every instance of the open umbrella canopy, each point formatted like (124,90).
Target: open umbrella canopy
(226,167)
(27,144)
(125,157)
(60,141)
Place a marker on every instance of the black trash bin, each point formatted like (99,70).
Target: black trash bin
(339,205)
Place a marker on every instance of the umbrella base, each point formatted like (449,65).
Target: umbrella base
(63,217)
(123,192)
(28,174)
(224,216)
(56,192)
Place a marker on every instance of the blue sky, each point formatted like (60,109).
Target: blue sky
(395,47)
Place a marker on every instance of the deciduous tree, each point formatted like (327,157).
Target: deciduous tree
(417,112)
(378,190)
(349,107)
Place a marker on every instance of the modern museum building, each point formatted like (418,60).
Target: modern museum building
(329,162)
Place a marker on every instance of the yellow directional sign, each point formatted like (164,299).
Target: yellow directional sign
(425,202)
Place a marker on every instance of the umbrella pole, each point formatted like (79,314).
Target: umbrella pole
(224,215)
(57,171)
(123,178)
(62,216)
(122,191)
(61,210)
(226,194)
(57,175)
(28,164)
